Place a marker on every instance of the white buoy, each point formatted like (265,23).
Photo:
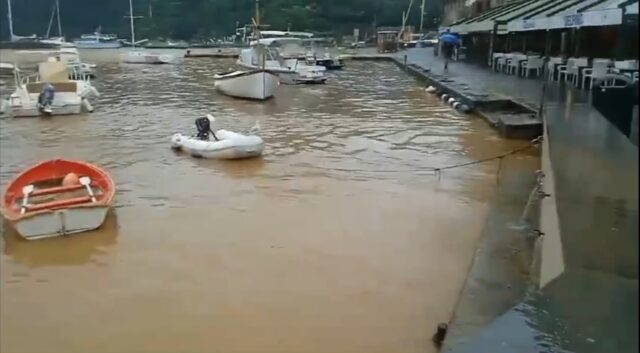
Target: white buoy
(451,100)
(430,89)
(444,97)
(456,105)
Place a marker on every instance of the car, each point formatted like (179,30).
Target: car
(425,43)
(356,45)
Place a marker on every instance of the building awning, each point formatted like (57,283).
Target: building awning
(582,13)
(497,19)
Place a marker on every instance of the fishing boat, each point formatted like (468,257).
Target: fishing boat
(291,72)
(58,197)
(225,144)
(69,96)
(138,56)
(253,84)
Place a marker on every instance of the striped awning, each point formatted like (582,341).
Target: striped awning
(497,18)
(575,13)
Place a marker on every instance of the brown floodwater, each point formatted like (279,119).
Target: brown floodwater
(338,240)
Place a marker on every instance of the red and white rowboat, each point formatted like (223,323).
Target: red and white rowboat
(39,206)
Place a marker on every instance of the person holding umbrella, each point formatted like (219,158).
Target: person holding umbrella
(449,42)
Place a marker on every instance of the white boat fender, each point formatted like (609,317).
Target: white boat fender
(87,106)
(444,97)
(176,141)
(456,105)
(451,101)
(463,108)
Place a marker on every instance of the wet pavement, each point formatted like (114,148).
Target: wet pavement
(596,188)
(340,239)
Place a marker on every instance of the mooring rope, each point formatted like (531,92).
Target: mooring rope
(499,157)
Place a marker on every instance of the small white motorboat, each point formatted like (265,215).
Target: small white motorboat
(69,96)
(142,57)
(254,84)
(225,145)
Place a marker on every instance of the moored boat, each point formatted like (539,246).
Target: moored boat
(97,41)
(225,144)
(136,56)
(290,71)
(50,91)
(253,84)
(58,197)
(141,57)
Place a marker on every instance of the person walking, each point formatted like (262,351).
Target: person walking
(449,42)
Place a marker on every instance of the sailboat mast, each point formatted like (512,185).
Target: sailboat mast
(10,19)
(133,35)
(53,10)
(58,16)
(258,17)
(421,15)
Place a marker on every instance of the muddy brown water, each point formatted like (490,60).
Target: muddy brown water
(337,240)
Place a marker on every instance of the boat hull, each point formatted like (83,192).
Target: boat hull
(97,45)
(61,222)
(230,146)
(258,85)
(32,110)
(330,64)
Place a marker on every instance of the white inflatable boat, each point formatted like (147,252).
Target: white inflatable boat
(230,145)
(225,144)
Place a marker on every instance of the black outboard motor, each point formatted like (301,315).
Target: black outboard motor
(204,128)
(45,99)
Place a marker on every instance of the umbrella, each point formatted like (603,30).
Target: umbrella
(449,38)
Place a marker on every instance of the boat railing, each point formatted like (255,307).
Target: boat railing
(75,75)
(24,80)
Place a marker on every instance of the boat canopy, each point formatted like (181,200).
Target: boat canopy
(53,71)
(7,66)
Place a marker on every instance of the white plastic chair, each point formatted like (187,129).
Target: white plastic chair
(598,70)
(552,66)
(532,63)
(563,70)
(494,58)
(503,62)
(514,65)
